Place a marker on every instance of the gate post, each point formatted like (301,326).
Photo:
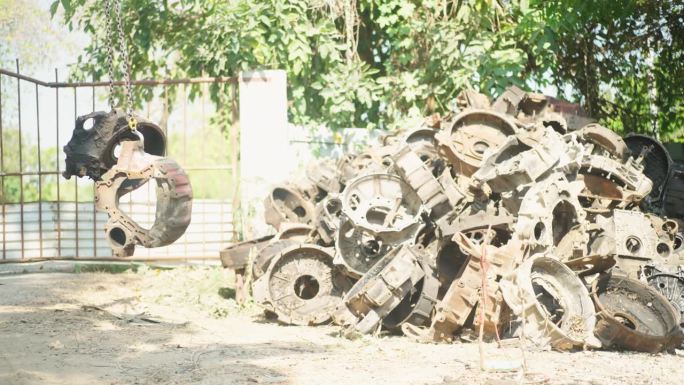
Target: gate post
(265,154)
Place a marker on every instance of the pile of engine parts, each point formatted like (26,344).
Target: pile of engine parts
(507,217)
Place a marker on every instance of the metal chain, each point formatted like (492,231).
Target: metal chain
(110,52)
(132,122)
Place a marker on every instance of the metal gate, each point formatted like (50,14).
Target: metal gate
(47,217)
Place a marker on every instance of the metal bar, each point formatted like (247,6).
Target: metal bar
(185,146)
(219,110)
(58,226)
(235,147)
(143,82)
(115,259)
(35,173)
(204,133)
(40,178)
(21,162)
(2,169)
(94,192)
(76,181)
(148,187)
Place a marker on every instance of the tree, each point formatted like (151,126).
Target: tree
(373,62)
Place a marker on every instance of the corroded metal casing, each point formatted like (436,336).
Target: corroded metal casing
(381,203)
(548,211)
(174,199)
(634,316)
(412,169)
(285,203)
(473,134)
(554,304)
(301,285)
(91,151)
(383,288)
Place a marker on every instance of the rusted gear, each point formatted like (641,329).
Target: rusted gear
(634,316)
(554,303)
(91,151)
(174,199)
(286,203)
(474,133)
(301,285)
(290,234)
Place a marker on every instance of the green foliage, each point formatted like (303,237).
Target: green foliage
(369,63)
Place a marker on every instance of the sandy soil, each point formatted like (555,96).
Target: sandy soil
(181,327)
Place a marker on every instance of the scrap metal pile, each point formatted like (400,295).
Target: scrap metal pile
(506,216)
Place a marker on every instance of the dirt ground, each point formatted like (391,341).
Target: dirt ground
(181,326)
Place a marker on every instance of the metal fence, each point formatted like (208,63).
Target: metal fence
(45,216)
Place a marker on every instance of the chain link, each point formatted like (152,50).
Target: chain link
(132,123)
(110,51)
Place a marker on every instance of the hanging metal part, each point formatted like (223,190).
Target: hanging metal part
(634,316)
(134,168)
(92,152)
(301,285)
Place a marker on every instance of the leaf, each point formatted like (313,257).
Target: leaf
(67,6)
(53,8)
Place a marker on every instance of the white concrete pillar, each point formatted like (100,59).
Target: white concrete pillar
(265,157)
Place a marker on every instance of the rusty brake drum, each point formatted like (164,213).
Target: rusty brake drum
(634,316)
